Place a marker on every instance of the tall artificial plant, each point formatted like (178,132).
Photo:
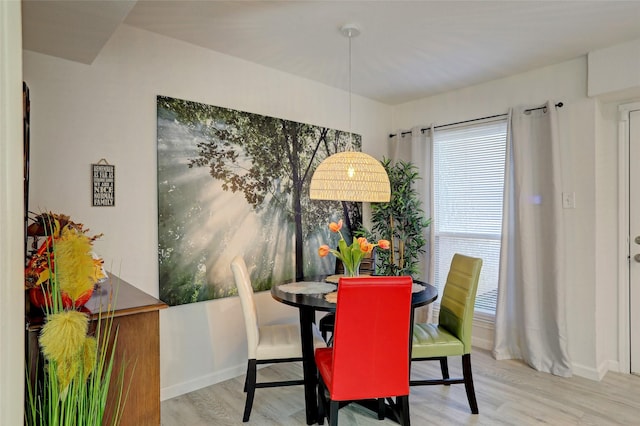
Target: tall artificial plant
(401,221)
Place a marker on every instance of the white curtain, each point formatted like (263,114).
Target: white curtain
(531,312)
(415,146)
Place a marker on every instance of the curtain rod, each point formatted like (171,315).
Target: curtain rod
(526,111)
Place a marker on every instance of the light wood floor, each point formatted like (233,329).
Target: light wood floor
(508,392)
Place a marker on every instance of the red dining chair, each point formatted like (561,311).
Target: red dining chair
(369,359)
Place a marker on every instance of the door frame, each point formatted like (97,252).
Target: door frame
(624,288)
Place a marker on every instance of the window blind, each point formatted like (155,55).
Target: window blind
(469,164)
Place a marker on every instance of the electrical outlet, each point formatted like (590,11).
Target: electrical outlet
(569,200)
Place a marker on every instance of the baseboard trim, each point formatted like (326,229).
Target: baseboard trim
(614,366)
(485,344)
(482,334)
(589,372)
(201,382)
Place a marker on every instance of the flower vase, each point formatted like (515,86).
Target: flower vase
(352,271)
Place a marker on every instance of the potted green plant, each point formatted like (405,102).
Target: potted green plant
(401,221)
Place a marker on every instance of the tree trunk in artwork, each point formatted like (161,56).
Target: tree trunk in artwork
(296,193)
(298,225)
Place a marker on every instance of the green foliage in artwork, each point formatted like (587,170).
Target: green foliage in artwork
(269,161)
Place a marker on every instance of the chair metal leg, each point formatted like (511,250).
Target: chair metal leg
(444,367)
(468,383)
(322,401)
(326,325)
(381,408)
(250,388)
(403,403)
(333,413)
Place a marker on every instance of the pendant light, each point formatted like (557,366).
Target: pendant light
(350,175)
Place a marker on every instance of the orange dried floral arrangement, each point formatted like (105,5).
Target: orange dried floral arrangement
(65,256)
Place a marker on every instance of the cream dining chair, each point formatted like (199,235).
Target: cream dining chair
(266,344)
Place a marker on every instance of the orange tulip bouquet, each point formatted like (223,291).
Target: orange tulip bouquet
(350,255)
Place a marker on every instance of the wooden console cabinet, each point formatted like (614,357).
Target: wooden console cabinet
(137,317)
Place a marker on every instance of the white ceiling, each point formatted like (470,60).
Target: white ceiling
(407,49)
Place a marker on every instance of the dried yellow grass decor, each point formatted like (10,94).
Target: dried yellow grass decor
(75,267)
(64,340)
(89,355)
(63,335)
(78,372)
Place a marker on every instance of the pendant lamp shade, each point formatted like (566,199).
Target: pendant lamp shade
(350,176)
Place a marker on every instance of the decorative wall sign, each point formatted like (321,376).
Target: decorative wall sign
(234,183)
(103,177)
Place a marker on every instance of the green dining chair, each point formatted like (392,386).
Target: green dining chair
(452,335)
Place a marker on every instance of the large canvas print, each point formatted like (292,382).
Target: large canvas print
(236,183)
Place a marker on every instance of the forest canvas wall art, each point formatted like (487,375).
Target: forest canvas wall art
(236,183)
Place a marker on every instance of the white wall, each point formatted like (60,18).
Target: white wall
(11,218)
(566,82)
(614,71)
(82,113)
(589,156)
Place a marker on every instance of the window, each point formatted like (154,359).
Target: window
(468,181)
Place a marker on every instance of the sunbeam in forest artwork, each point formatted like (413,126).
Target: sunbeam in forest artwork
(235,183)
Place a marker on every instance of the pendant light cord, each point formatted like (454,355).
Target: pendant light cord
(350,31)
(350,35)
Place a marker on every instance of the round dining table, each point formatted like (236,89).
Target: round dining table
(309,297)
